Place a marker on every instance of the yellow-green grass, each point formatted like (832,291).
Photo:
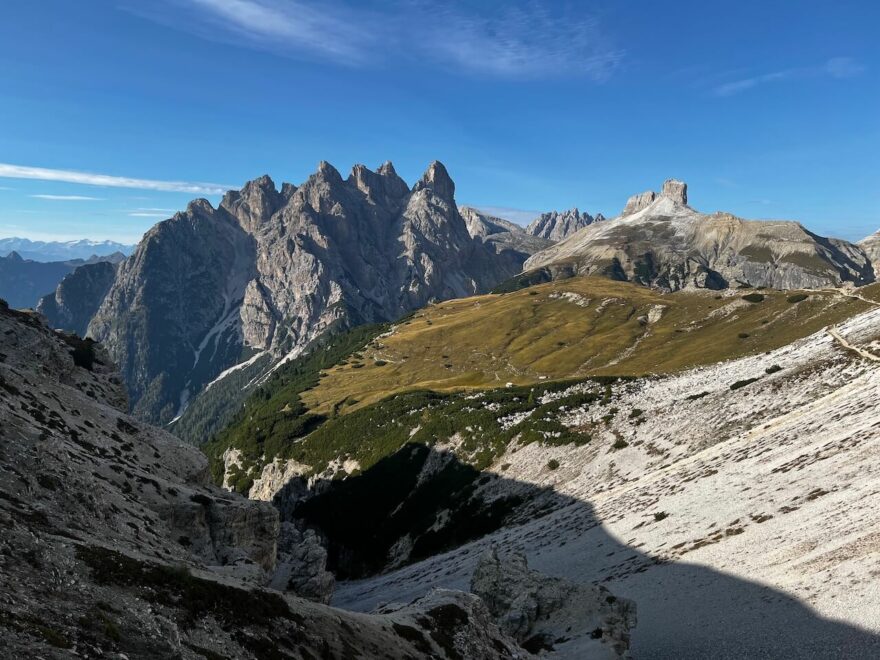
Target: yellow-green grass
(538,334)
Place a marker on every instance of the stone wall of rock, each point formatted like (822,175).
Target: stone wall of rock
(542,611)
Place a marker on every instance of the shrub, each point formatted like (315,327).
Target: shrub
(552,464)
(380,363)
(743,335)
(660,515)
(798,297)
(620,443)
(773,369)
(753,297)
(636,412)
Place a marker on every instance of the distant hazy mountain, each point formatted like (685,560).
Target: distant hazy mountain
(273,270)
(24,281)
(660,241)
(61,250)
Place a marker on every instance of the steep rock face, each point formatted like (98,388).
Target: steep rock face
(78,296)
(556,226)
(660,241)
(114,545)
(273,271)
(871,246)
(171,316)
(537,610)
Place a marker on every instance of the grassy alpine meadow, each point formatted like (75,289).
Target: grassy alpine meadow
(572,328)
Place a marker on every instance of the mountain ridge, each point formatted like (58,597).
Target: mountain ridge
(273,270)
(659,240)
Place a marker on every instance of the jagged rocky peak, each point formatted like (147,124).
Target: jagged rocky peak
(255,203)
(199,206)
(675,190)
(287,190)
(274,271)
(14,256)
(379,185)
(437,180)
(556,226)
(327,172)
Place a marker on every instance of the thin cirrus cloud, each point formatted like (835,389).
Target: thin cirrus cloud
(8,171)
(518,41)
(68,198)
(836,67)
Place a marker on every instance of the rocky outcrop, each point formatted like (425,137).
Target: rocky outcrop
(675,190)
(77,297)
(273,271)
(639,202)
(302,565)
(540,611)
(871,246)
(662,242)
(114,545)
(555,226)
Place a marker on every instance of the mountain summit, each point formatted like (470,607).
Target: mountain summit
(659,240)
(271,271)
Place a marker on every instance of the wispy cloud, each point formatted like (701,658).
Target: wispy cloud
(148,212)
(521,41)
(836,67)
(68,198)
(8,171)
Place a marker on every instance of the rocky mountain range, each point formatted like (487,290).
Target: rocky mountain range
(659,240)
(24,281)
(555,226)
(272,270)
(61,250)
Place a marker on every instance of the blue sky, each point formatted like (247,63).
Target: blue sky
(767,109)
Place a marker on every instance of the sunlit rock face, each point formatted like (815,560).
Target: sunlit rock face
(272,271)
